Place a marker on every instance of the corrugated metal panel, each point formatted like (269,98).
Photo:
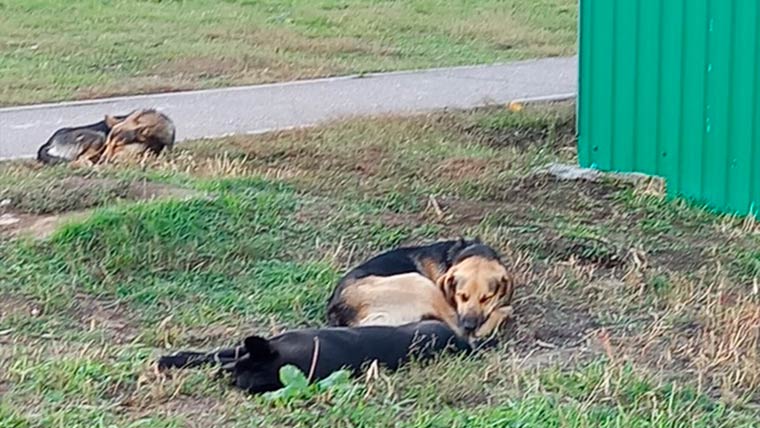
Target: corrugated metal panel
(672,88)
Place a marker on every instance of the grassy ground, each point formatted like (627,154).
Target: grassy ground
(59,49)
(635,311)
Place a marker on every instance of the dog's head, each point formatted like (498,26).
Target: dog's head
(476,284)
(259,370)
(139,132)
(129,134)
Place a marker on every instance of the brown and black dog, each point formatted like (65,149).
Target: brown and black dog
(463,283)
(82,145)
(133,135)
(141,132)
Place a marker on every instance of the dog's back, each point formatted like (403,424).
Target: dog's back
(320,352)
(351,348)
(404,260)
(67,144)
(70,143)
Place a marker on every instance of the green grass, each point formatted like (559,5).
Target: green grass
(58,49)
(636,311)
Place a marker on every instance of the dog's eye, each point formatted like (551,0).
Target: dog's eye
(486,298)
(464,297)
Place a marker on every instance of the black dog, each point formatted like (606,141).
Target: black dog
(80,143)
(319,352)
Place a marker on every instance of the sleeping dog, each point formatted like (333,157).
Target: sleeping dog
(140,132)
(462,283)
(319,352)
(80,144)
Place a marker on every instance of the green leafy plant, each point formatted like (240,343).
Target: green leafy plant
(296,385)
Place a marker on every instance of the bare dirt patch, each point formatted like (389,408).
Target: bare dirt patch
(57,195)
(562,134)
(363,161)
(110,316)
(584,250)
(16,305)
(562,326)
(541,324)
(391,219)
(550,124)
(39,226)
(462,168)
(202,411)
(38,210)
(458,212)
(578,196)
(76,193)
(89,312)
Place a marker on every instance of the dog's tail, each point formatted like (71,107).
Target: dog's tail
(189,359)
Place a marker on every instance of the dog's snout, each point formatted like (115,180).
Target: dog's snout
(470,323)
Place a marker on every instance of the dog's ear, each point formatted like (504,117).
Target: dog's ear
(258,348)
(111,121)
(447,285)
(506,288)
(459,245)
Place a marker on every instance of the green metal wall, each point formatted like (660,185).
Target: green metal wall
(672,88)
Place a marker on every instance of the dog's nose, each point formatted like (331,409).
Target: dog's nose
(470,323)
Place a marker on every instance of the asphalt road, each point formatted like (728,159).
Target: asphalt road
(262,108)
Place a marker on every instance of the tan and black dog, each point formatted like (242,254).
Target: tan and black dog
(79,145)
(141,132)
(461,282)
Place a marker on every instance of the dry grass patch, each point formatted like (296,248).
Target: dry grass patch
(632,310)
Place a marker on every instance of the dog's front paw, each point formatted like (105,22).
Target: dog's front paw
(494,322)
(481,343)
